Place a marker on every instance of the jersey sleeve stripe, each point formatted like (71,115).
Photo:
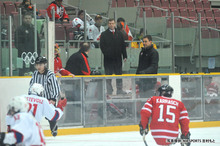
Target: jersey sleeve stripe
(163,130)
(56,116)
(184,117)
(144,108)
(19,137)
(148,104)
(167,137)
(183,112)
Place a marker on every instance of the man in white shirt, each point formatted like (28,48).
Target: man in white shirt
(94,31)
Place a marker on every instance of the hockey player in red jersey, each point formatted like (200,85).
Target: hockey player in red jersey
(166,113)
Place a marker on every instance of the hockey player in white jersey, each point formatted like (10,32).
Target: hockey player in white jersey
(94,31)
(40,107)
(25,130)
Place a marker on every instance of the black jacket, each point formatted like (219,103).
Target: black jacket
(78,64)
(148,61)
(113,46)
(24,40)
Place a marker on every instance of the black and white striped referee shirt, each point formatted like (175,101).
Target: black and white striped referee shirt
(49,81)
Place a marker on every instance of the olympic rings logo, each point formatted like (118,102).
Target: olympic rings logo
(29,58)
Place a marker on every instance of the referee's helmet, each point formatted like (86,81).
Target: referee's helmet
(41,60)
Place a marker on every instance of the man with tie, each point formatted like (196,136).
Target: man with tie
(113,47)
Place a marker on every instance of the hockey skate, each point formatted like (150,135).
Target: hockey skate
(54,131)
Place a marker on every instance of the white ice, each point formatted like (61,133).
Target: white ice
(129,138)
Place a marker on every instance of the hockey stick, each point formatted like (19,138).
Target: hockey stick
(144,135)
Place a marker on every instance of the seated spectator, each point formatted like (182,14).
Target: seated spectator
(95,30)
(27,7)
(78,63)
(60,12)
(58,69)
(124,29)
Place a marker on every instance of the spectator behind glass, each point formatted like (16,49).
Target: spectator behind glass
(25,43)
(113,47)
(95,30)
(58,69)
(60,12)
(121,26)
(78,64)
(27,7)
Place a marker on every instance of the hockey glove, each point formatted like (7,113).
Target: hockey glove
(186,137)
(142,130)
(2,137)
(62,103)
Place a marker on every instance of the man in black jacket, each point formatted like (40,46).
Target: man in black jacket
(78,64)
(148,58)
(25,42)
(113,47)
(148,64)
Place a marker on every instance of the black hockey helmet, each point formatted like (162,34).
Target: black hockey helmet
(165,90)
(41,60)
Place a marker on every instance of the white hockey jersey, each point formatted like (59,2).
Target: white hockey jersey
(40,107)
(77,22)
(94,33)
(25,130)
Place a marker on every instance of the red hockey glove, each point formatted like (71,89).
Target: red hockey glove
(62,103)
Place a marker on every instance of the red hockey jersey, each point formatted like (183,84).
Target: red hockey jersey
(166,114)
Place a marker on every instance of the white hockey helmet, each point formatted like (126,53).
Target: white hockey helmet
(18,104)
(37,89)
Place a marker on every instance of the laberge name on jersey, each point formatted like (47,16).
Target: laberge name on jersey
(31,99)
(167,101)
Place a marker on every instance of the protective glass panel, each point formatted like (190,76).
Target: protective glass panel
(93,89)
(71,89)
(211,97)
(94,114)
(192,96)
(120,111)
(72,115)
(147,86)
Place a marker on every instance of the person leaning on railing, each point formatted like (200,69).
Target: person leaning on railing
(78,63)
(58,68)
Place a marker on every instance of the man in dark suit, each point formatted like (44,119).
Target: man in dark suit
(113,47)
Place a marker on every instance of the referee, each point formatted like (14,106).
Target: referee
(48,80)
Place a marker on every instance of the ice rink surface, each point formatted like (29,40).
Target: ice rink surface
(130,138)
